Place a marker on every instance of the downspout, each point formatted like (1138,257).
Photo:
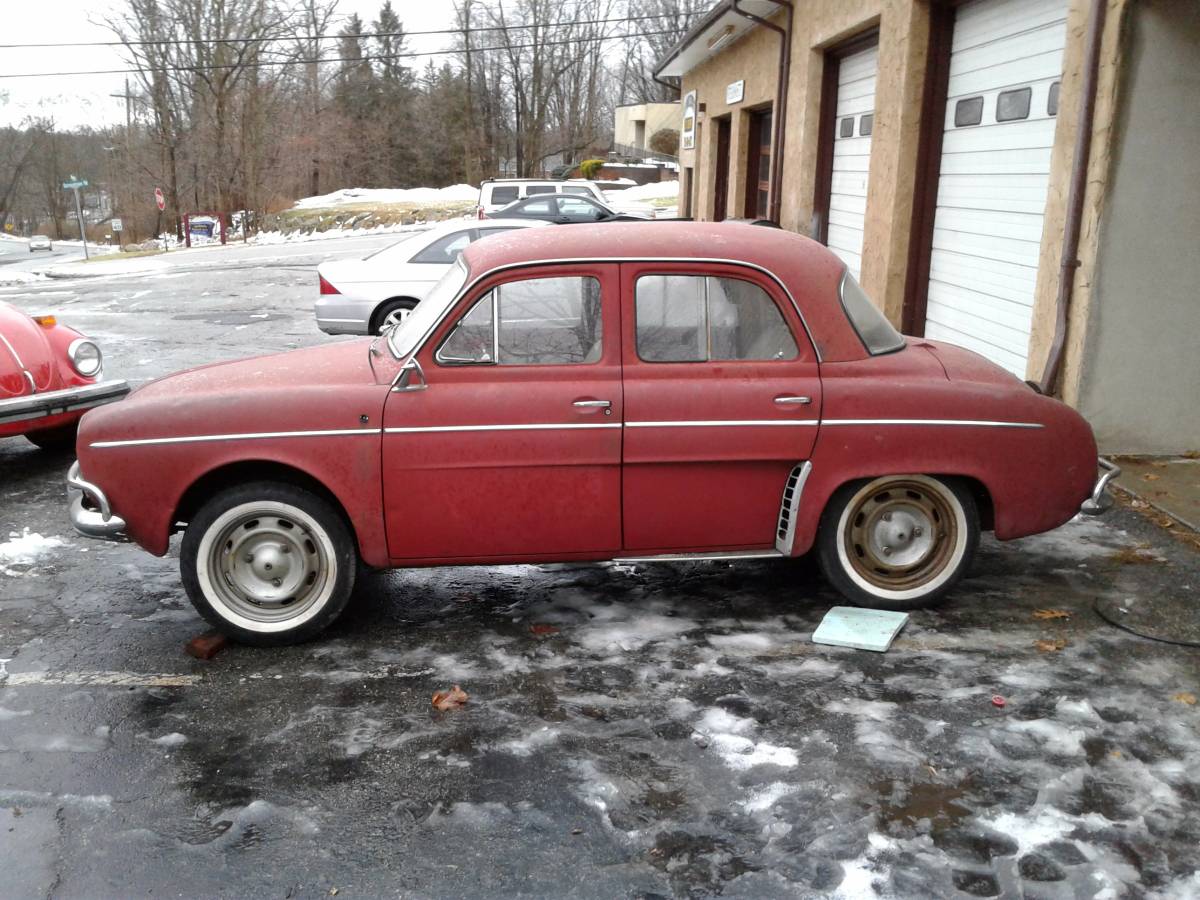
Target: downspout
(1075,195)
(781,96)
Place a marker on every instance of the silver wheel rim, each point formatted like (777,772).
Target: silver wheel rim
(267,566)
(394,318)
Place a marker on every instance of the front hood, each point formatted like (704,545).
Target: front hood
(327,365)
(23,344)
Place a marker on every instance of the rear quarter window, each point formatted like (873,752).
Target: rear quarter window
(874,330)
(504,194)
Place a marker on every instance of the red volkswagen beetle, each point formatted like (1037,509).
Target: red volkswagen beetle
(49,374)
(639,392)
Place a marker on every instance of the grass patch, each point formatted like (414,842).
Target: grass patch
(363,215)
(125,255)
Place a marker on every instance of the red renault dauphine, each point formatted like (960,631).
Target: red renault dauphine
(637,392)
(49,375)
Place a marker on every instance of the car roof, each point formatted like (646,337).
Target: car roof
(810,271)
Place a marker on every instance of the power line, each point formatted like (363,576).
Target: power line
(338,59)
(313,37)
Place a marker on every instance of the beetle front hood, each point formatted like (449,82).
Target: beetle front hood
(24,347)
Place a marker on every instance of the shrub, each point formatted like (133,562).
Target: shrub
(590,168)
(665,140)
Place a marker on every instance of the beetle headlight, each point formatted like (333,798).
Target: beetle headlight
(85,356)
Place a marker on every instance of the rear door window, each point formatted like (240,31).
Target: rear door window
(532,189)
(444,250)
(696,318)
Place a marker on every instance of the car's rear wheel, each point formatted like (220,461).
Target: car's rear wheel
(391,312)
(55,439)
(898,542)
(268,563)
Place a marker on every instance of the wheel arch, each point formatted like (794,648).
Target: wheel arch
(243,471)
(373,321)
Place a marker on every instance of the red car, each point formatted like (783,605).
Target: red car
(49,375)
(639,392)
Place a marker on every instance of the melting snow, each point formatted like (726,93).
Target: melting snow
(26,549)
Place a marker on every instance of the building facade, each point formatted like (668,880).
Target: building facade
(635,124)
(1015,176)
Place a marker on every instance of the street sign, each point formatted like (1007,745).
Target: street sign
(117,225)
(160,199)
(74,185)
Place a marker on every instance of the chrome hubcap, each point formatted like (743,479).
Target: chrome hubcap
(903,535)
(268,565)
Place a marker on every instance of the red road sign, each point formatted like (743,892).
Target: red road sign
(159,199)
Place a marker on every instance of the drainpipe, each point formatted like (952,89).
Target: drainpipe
(781,96)
(1075,195)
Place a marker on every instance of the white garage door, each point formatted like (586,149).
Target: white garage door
(1005,66)
(852,155)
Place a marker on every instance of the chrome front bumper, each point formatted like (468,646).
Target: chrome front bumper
(90,511)
(53,403)
(1101,500)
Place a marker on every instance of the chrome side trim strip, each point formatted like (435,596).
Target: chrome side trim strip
(977,423)
(547,426)
(698,557)
(720,423)
(198,438)
(789,507)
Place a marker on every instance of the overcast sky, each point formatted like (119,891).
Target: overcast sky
(84,100)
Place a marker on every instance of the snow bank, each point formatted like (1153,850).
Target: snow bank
(294,237)
(652,191)
(14,276)
(456,193)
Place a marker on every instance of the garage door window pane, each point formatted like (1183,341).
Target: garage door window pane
(847,127)
(968,112)
(549,321)
(1052,100)
(866,124)
(1013,105)
(688,318)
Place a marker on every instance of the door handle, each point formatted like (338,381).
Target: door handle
(802,401)
(593,404)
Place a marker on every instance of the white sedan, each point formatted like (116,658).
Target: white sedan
(365,296)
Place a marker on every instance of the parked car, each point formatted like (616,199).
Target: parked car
(366,296)
(49,375)
(495,193)
(566,210)
(631,392)
(40,242)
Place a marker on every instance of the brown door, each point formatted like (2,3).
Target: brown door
(722,180)
(758,166)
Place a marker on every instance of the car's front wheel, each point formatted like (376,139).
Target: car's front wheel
(390,313)
(268,563)
(899,542)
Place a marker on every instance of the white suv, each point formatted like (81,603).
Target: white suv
(496,193)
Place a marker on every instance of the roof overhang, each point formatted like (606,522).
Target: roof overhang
(719,29)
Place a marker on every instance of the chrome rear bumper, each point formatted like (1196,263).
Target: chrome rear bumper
(52,403)
(1101,500)
(90,511)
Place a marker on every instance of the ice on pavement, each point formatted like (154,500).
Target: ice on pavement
(26,548)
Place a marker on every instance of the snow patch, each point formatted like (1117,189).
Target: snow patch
(765,797)
(456,193)
(174,739)
(531,743)
(26,549)
(726,735)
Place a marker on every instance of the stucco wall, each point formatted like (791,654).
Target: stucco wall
(657,116)
(1141,369)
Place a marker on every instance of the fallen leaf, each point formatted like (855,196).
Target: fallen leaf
(1150,476)
(1050,646)
(1133,555)
(1158,464)
(543,630)
(1115,754)
(451,699)
(1051,614)
(1185,697)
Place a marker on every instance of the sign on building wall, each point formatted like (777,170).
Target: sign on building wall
(687,134)
(735,92)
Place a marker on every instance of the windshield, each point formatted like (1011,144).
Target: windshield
(407,236)
(874,330)
(403,338)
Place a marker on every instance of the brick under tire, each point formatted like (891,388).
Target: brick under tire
(899,542)
(268,563)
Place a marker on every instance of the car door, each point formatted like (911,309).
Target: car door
(722,402)
(512,449)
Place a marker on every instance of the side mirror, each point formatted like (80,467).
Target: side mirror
(411,377)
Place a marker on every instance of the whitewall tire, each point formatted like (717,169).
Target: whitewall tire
(898,542)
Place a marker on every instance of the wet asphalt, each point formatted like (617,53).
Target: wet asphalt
(655,731)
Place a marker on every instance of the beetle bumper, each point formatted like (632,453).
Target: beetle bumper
(31,407)
(90,511)
(1101,500)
